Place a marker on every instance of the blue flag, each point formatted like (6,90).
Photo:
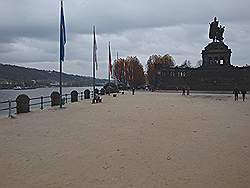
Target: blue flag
(62,34)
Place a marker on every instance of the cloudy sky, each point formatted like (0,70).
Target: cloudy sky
(29,31)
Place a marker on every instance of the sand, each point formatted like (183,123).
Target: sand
(147,140)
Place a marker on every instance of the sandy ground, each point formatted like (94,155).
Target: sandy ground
(147,140)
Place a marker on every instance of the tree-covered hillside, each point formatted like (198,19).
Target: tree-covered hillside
(16,75)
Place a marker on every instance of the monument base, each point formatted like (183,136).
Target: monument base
(216,54)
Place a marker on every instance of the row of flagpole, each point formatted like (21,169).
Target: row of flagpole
(95,65)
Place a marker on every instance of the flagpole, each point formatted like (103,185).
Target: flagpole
(60,82)
(94,58)
(116,80)
(60,61)
(109,70)
(62,43)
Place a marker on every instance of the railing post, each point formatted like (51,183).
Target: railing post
(9,108)
(81,96)
(66,98)
(41,102)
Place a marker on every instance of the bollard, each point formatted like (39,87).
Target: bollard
(102,91)
(81,96)
(9,108)
(22,104)
(41,102)
(87,94)
(55,98)
(74,96)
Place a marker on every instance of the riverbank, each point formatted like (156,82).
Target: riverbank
(146,140)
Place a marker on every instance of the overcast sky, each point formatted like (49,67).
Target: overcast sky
(29,31)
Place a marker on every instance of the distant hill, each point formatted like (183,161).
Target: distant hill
(11,75)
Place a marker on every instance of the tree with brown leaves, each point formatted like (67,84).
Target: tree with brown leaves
(129,71)
(153,61)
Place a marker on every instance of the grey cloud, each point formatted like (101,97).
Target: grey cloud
(40,18)
(29,30)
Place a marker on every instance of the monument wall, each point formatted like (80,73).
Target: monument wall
(203,78)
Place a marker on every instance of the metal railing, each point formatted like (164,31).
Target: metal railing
(36,101)
(10,107)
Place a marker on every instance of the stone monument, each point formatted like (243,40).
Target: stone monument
(217,52)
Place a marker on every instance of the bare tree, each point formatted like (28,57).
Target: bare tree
(186,64)
(199,63)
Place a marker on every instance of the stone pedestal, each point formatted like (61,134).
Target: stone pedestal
(216,54)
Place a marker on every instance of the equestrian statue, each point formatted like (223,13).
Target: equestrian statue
(216,32)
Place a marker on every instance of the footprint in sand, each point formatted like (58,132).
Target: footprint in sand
(106,166)
(168,157)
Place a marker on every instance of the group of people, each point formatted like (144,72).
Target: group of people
(236,92)
(184,90)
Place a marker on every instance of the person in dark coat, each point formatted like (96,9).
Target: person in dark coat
(183,91)
(133,91)
(243,92)
(236,93)
(188,90)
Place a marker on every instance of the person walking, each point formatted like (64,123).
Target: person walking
(133,91)
(236,93)
(188,90)
(243,92)
(183,91)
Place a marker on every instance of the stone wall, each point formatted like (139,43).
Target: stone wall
(203,78)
